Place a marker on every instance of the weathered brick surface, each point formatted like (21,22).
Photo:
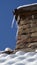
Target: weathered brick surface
(27,35)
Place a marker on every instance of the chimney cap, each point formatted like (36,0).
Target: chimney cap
(25,10)
(29,7)
(26,5)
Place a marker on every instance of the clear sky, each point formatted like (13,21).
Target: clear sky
(7,34)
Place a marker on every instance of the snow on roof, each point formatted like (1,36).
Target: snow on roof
(26,5)
(19,58)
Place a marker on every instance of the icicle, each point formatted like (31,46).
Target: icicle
(13,21)
(18,18)
(17,26)
(17,30)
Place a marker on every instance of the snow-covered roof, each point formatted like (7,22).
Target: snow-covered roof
(19,58)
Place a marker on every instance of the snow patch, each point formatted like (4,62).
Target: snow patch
(19,58)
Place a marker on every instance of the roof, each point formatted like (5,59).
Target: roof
(19,58)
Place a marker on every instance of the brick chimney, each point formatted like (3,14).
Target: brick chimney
(26,17)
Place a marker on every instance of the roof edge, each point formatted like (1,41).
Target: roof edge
(27,5)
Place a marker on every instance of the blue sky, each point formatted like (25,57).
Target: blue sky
(7,34)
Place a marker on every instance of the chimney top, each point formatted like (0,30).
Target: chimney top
(25,10)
